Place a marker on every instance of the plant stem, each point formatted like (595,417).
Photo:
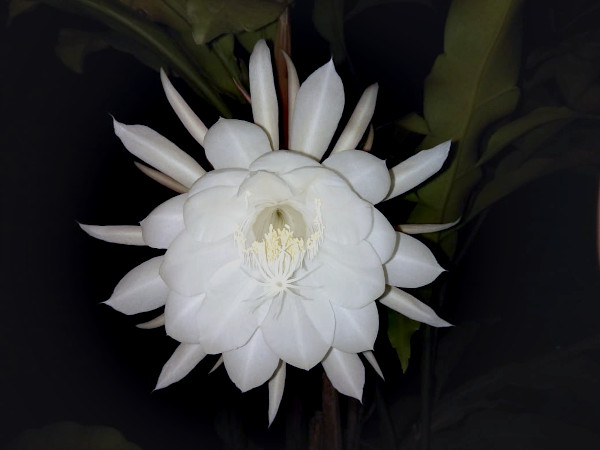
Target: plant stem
(426,389)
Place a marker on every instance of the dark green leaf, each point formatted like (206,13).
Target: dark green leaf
(363,5)
(74,45)
(415,123)
(400,330)
(328,17)
(17,7)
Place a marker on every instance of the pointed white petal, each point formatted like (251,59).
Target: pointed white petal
(157,322)
(251,365)
(164,223)
(412,308)
(317,111)
(141,290)
(159,152)
(383,237)
(262,91)
(282,161)
(189,265)
(417,169)
(367,174)
(289,331)
(359,121)
(369,140)
(183,360)
(346,372)
(182,317)
(370,357)
(117,234)
(190,120)
(419,228)
(276,385)
(232,143)
(355,329)
(161,178)
(218,364)
(412,265)
(293,86)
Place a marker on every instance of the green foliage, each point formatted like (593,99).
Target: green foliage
(400,331)
(18,7)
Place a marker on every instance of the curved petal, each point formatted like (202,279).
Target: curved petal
(317,111)
(264,187)
(283,161)
(219,178)
(164,223)
(157,322)
(189,265)
(116,234)
(159,152)
(293,86)
(359,121)
(367,174)
(355,329)
(412,265)
(262,90)
(226,318)
(349,275)
(183,360)
(412,308)
(383,237)
(419,228)
(161,178)
(251,365)
(370,357)
(190,121)
(276,385)
(140,290)
(232,143)
(181,317)
(291,334)
(417,169)
(214,213)
(346,372)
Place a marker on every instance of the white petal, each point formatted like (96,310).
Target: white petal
(367,174)
(183,360)
(159,152)
(189,265)
(419,228)
(293,86)
(412,308)
(117,234)
(214,213)
(182,317)
(219,178)
(226,318)
(317,111)
(141,290)
(283,161)
(383,237)
(262,90)
(232,143)
(349,275)
(251,365)
(264,187)
(190,120)
(412,265)
(370,357)
(161,178)
(218,364)
(417,169)
(164,223)
(291,334)
(157,322)
(359,121)
(355,329)
(276,385)
(346,372)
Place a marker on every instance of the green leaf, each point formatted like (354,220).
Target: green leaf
(400,330)
(249,39)
(212,18)
(519,127)
(18,7)
(471,86)
(415,123)
(363,5)
(328,17)
(168,12)
(74,45)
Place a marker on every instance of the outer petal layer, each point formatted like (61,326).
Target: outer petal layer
(262,90)
(346,372)
(182,316)
(185,358)
(412,308)
(164,223)
(355,329)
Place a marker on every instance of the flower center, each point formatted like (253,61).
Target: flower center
(276,251)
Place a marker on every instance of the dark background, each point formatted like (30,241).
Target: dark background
(514,370)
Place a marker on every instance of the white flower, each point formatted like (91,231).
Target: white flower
(274,258)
